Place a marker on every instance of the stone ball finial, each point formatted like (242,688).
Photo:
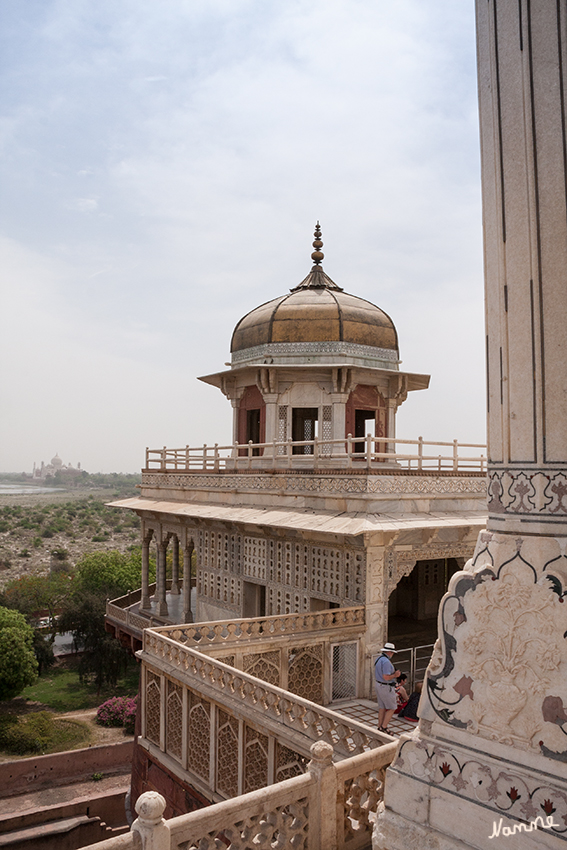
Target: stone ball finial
(150,807)
(321,751)
(317,255)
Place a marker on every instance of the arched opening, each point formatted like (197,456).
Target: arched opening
(251,419)
(414,603)
(366,414)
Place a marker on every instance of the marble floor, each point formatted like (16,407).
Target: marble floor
(366,711)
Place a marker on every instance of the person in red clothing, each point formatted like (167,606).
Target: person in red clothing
(401,693)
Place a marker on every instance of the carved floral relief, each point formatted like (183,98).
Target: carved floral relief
(499,670)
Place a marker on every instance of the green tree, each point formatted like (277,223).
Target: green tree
(111,573)
(103,659)
(34,595)
(18,665)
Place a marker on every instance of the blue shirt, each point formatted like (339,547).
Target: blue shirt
(381,666)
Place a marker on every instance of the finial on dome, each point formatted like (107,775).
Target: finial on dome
(317,254)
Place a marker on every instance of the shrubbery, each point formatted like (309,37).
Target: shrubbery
(118,711)
(39,733)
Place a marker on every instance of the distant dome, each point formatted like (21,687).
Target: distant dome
(56,461)
(317,320)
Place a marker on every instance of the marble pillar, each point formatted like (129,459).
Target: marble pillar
(175,565)
(146,605)
(187,558)
(492,738)
(161,589)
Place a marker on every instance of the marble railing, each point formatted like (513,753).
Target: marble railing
(330,807)
(117,610)
(282,714)
(350,451)
(243,630)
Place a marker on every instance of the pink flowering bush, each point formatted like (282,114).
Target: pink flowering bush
(117,711)
(130,716)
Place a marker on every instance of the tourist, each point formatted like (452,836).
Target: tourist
(401,693)
(410,710)
(385,683)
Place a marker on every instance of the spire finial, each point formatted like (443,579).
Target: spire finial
(317,254)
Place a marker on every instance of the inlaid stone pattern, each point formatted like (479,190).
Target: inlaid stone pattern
(375,484)
(510,791)
(531,492)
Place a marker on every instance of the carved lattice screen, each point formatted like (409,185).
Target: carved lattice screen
(227,754)
(153,707)
(199,736)
(255,760)
(174,720)
(305,676)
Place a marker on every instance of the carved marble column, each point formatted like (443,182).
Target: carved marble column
(162,608)
(338,402)
(271,401)
(492,739)
(175,565)
(146,540)
(187,557)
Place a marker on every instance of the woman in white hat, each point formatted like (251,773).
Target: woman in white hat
(385,683)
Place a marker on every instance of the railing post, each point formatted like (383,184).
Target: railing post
(216,458)
(150,824)
(147,456)
(186,457)
(455,455)
(323,816)
(163,457)
(250,444)
(482,459)
(315,450)
(204,455)
(368,450)
(349,449)
(420,452)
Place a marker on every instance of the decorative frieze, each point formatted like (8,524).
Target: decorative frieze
(304,349)
(529,492)
(405,484)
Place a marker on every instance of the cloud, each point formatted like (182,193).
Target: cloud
(202,195)
(84,204)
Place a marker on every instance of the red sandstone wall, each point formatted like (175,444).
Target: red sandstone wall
(149,775)
(23,775)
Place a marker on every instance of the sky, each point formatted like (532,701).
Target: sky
(162,167)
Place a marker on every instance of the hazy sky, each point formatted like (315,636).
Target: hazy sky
(162,165)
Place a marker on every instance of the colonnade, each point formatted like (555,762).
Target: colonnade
(162,540)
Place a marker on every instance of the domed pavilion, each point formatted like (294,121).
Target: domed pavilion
(317,362)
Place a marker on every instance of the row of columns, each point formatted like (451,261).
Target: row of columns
(162,544)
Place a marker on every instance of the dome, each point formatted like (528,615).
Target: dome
(56,461)
(316,320)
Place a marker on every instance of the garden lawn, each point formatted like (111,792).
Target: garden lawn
(60,689)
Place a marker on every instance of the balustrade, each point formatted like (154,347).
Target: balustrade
(243,630)
(420,455)
(330,807)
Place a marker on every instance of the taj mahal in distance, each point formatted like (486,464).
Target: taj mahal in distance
(316,533)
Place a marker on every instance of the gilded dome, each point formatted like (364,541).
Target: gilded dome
(319,320)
